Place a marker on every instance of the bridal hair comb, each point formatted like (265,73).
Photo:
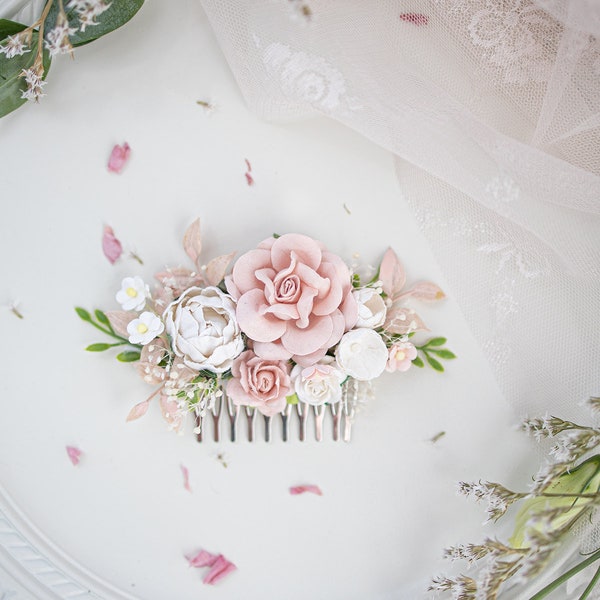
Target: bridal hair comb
(290,333)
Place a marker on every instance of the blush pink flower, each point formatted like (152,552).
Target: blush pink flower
(401,356)
(261,383)
(294,299)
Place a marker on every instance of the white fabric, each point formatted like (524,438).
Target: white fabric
(493,111)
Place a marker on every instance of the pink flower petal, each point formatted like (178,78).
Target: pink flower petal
(139,410)
(202,559)
(391,274)
(257,326)
(192,242)
(249,178)
(415,18)
(74,454)
(217,267)
(425,290)
(111,246)
(118,157)
(301,489)
(186,478)
(220,569)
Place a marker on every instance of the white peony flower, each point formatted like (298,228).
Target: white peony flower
(371,307)
(203,329)
(319,383)
(145,328)
(133,293)
(362,354)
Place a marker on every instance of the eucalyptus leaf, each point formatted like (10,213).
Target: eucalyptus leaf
(83,314)
(99,347)
(119,12)
(128,356)
(434,363)
(10,28)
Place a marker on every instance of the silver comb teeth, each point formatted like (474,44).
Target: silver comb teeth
(303,415)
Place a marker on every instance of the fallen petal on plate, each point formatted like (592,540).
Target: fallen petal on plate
(220,569)
(111,246)
(301,489)
(118,157)
(139,410)
(186,478)
(202,559)
(74,454)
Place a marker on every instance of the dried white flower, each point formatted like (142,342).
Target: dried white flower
(33,78)
(88,10)
(57,41)
(15,45)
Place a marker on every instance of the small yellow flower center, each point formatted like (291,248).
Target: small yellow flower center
(400,355)
(142,328)
(131,292)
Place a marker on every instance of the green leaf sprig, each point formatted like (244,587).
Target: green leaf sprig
(432,351)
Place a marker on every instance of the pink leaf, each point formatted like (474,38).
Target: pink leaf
(402,320)
(217,267)
(202,559)
(249,178)
(186,478)
(425,290)
(119,319)
(139,410)
(220,569)
(74,454)
(192,242)
(415,18)
(111,246)
(391,274)
(118,157)
(301,489)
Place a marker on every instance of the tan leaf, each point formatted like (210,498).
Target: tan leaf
(391,274)
(119,319)
(217,267)
(139,410)
(425,290)
(192,242)
(402,320)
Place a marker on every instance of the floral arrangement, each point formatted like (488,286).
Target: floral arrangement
(26,52)
(561,503)
(291,323)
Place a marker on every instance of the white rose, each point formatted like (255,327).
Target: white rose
(371,307)
(203,329)
(319,383)
(362,354)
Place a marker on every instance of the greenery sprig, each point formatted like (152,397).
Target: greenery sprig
(432,351)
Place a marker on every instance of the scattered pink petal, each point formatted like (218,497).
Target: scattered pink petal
(118,157)
(249,178)
(74,454)
(111,246)
(186,478)
(220,569)
(192,242)
(415,18)
(425,290)
(217,267)
(139,410)
(119,319)
(391,274)
(202,559)
(301,489)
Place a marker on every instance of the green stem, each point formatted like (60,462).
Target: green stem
(567,575)
(591,585)
(109,332)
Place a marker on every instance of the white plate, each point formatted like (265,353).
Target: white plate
(389,503)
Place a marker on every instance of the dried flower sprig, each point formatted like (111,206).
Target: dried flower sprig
(566,490)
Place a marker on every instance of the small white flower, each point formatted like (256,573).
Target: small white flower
(33,78)
(362,354)
(319,383)
(88,10)
(133,293)
(371,307)
(145,328)
(57,41)
(15,45)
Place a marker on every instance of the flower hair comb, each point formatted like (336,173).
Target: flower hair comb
(291,330)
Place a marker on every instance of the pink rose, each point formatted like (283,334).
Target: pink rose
(401,356)
(260,383)
(294,299)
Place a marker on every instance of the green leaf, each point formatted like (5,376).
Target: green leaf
(100,347)
(293,399)
(276,235)
(10,28)
(83,314)
(443,353)
(118,14)
(128,356)
(418,362)
(440,341)
(102,318)
(434,363)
